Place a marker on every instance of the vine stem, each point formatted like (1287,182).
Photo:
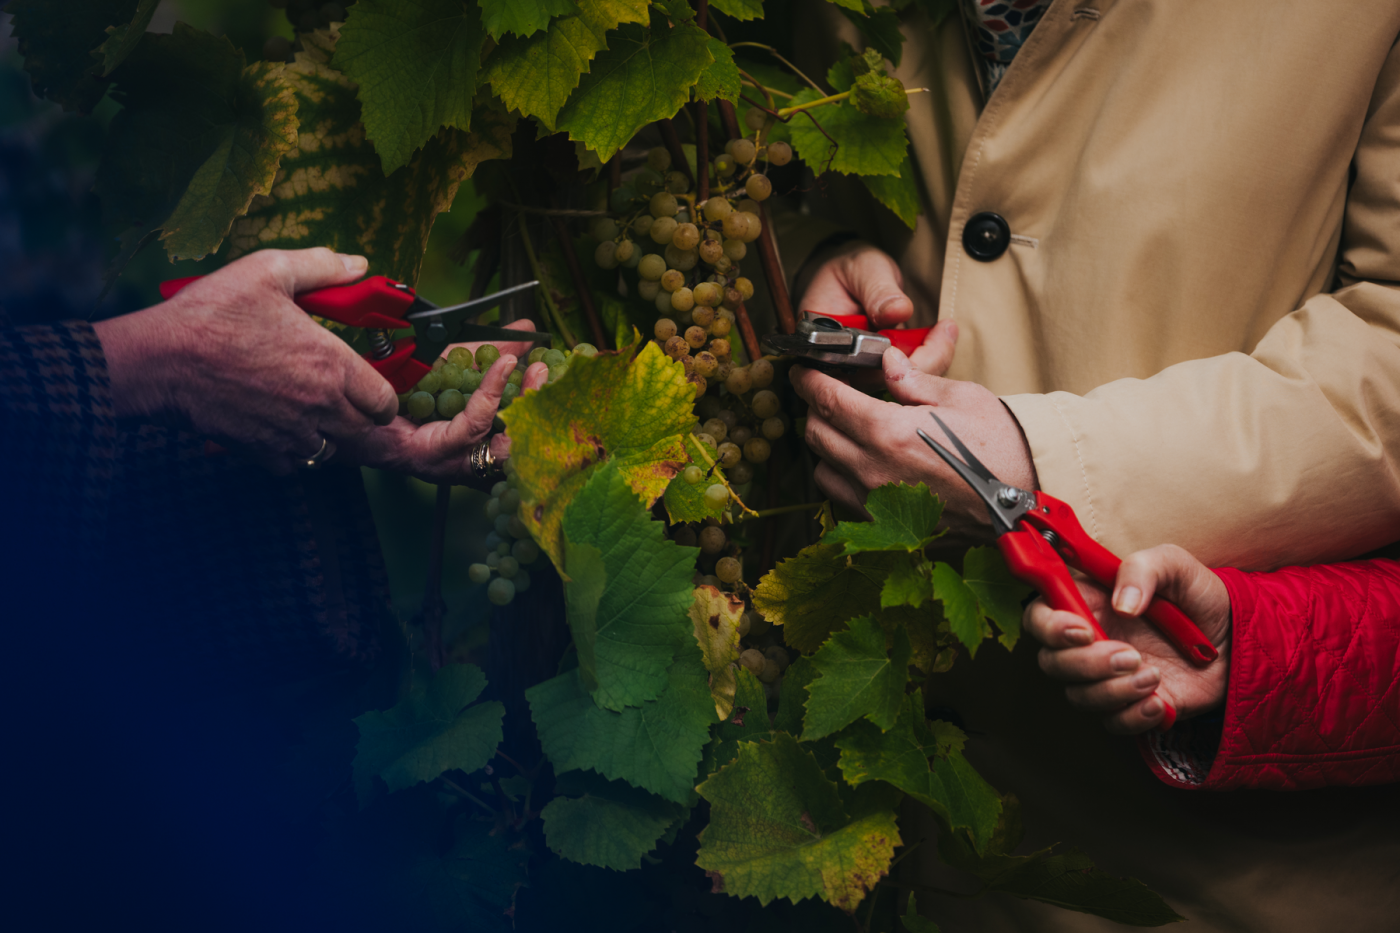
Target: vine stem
(702,148)
(585,294)
(785,509)
(673,146)
(773,271)
(730,121)
(554,211)
(433,606)
(551,309)
(774,52)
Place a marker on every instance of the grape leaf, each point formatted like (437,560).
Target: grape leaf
(778,829)
(913,922)
(864,145)
(908,583)
(685,502)
(643,76)
(610,824)
(998,592)
(747,720)
(857,679)
(739,9)
(879,25)
(435,729)
(792,696)
(535,75)
(813,594)
(198,137)
(122,40)
(521,17)
(58,40)
(960,607)
(331,190)
(857,6)
(879,95)
(416,63)
(899,193)
(719,81)
(715,618)
(627,626)
(680,11)
(636,410)
(904,518)
(947,784)
(655,747)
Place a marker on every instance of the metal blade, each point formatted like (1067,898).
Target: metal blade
(967,455)
(471,333)
(978,484)
(484,303)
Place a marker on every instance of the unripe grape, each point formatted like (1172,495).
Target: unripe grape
(744,287)
(460,357)
(508,567)
(717,496)
(761,373)
(605,255)
(695,336)
(755,227)
(493,557)
(709,295)
(676,347)
(738,381)
(729,454)
(728,570)
(450,376)
(740,473)
(421,404)
(765,402)
(743,151)
(677,183)
(682,259)
(672,279)
(710,251)
(721,349)
(717,209)
(471,381)
(663,204)
(755,118)
(706,364)
(753,660)
(770,672)
(525,551)
(692,474)
(662,230)
(773,428)
(757,450)
(509,392)
(658,159)
(553,358)
(665,329)
(431,382)
(779,153)
(510,501)
(642,225)
(624,251)
(683,299)
(647,290)
(723,265)
(734,249)
(604,228)
(486,356)
(451,403)
(736,226)
(758,187)
(749,205)
(721,325)
(580,349)
(712,537)
(652,267)
(664,304)
(478,573)
(715,428)
(724,166)
(501,591)
(687,236)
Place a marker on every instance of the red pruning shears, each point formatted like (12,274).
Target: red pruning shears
(1039,536)
(384,306)
(842,341)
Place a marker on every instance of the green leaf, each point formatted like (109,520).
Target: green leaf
(998,592)
(521,17)
(680,11)
(904,518)
(879,95)
(960,607)
(913,922)
(816,592)
(122,40)
(899,193)
(715,618)
(739,9)
(908,583)
(644,76)
(864,145)
(792,696)
(416,63)
(628,624)
(535,75)
(857,679)
(857,6)
(198,138)
(879,25)
(778,829)
(634,410)
(610,824)
(331,190)
(656,747)
(746,721)
(435,729)
(720,81)
(947,784)
(58,41)
(685,502)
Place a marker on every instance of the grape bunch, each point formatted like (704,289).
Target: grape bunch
(509,548)
(443,393)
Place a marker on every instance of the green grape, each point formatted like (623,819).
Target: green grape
(508,567)
(755,226)
(536,355)
(735,250)
(648,182)
(765,403)
(722,325)
(486,355)
(603,228)
(493,559)
(503,525)
(757,450)
(553,358)
(744,287)
(743,151)
(499,489)
(740,473)
(682,259)
(665,329)
(421,405)
(663,230)
(761,372)
(622,198)
(758,187)
(712,537)
(729,417)
(682,299)
(755,118)
(738,382)
(586,349)
(724,165)
(695,336)
(709,295)
(503,549)
(605,256)
(439,363)
(431,382)
(717,209)
(717,496)
(743,626)
(471,381)
(510,501)
(701,315)
(710,443)
(692,474)
(501,591)
(521,580)
(625,251)
(715,428)
(677,183)
(556,373)
(672,279)
(651,267)
(642,225)
(460,357)
(687,236)
(758,624)
(663,204)
(516,378)
(779,656)
(729,454)
(525,551)
(450,376)
(478,573)
(509,393)
(770,672)
(648,290)
(751,658)
(658,159)
(517,528)
(779,153)
(773,428)
(711,251)
(728,570)
(451,403)
(736,225)
(706,364)
(403,403)
(676,347)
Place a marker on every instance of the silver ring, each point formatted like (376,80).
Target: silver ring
(481,464)
(319,457)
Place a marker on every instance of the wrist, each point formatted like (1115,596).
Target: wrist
(142,351)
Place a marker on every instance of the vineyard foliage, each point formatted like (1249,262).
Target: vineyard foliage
(651,724)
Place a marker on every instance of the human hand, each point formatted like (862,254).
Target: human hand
(1126,678)
(233,358)
(864,442)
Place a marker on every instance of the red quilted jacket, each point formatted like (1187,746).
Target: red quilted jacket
(1314,695)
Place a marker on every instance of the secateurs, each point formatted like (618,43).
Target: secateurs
(382,306)
(1041,537)
(842,341)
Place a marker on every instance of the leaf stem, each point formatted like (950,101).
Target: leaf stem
(468,794)
(774,52)
(786,509)
(829,99)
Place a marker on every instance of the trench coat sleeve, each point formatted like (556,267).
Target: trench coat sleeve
(1285,455)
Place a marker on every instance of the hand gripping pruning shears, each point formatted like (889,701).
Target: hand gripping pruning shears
(383,306)
(842,341)
(1041,538)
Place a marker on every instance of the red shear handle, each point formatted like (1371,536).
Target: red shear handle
(906,341)
(373,302)
(1031,558)
(1099,562)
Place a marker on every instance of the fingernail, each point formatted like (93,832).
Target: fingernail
(1151,707)
(1125,660)
(1128,600)
(355,264)
(1079,636)
(1147,677)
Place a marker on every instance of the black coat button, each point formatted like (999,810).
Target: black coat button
(986,236)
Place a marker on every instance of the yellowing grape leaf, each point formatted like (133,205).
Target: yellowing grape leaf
(685,502)
(746,720)
(864,145)
(122,40)
(416,64)
(720,81)
(813,594)
(606,823)
(904,518)
(331,191)
(715,619)
(778,829)
(923,758)
(58,41)
(960,607)
(435,729)
(857,678)
(899,193)
(535,75)
(186,156)
(740,9)
(628,592)
(521,17)
(634,410)
(655,747)
(643,76)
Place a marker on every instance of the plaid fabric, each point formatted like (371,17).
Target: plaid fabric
(1000,28)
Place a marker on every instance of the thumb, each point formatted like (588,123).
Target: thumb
(906,383)
(1172,573)
(874,281)
(303,270)
(936,354)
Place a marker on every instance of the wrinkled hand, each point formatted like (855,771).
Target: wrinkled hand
(1125,680)
(231,357)
(864,442)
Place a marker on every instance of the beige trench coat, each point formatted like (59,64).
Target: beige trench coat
(1198,328)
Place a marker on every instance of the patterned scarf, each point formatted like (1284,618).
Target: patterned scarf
(1000,28)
